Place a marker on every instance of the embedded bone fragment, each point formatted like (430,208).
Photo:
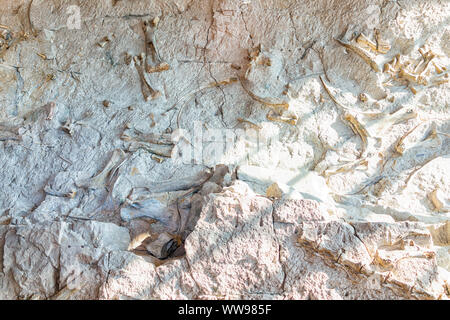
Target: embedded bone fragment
(271,102)
(50,192)
(190,95)
(162,247)
(128,58)
(159,68)
(151,49)
(415,78)
(158,159)
(160,145)
(440,204)
(186,183)
(100,180)
(185,98)
(399,147)
(64,294)
(103,42)
(251,124)
(43,56)
(343,105)
(365,55)
(357,129)
(332,170)
(132,134)
(150,208)
(51,110)
(416,71)
(274,191)
(401,144)
(420,167)
(423,65)
(379,47)
(439,82)
(382,45)
(68,127)
(147,91)
(378,127)
(363,97)
(162,150)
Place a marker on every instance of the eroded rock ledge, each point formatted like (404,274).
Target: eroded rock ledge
(336,119)
(243,246)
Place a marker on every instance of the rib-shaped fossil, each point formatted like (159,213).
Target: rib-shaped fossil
(365,55)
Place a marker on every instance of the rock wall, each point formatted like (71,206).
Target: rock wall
(330,120)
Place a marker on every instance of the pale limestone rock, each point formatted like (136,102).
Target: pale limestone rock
(218,247)
(297,211)
(238,243)
(274,191)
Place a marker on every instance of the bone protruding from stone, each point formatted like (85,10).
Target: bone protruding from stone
(100,179)
(140,181)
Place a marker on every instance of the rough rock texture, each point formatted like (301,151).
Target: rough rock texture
(359,158)
(297,252)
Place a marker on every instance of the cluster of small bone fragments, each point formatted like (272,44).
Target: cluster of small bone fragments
(188,192)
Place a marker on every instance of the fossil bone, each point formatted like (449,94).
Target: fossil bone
(416,71)
(332,170)
(147,91)
(342,105)
(279,117)
(9,134)
(439,202)
(400,146)
(51,110)
(418,168)
(64,294)
(102,43)
(164,246)
(379,47)
(53,193)
(102,179)
(150,48)
(358,129)
(380,126)
(253,125)
(266,101)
